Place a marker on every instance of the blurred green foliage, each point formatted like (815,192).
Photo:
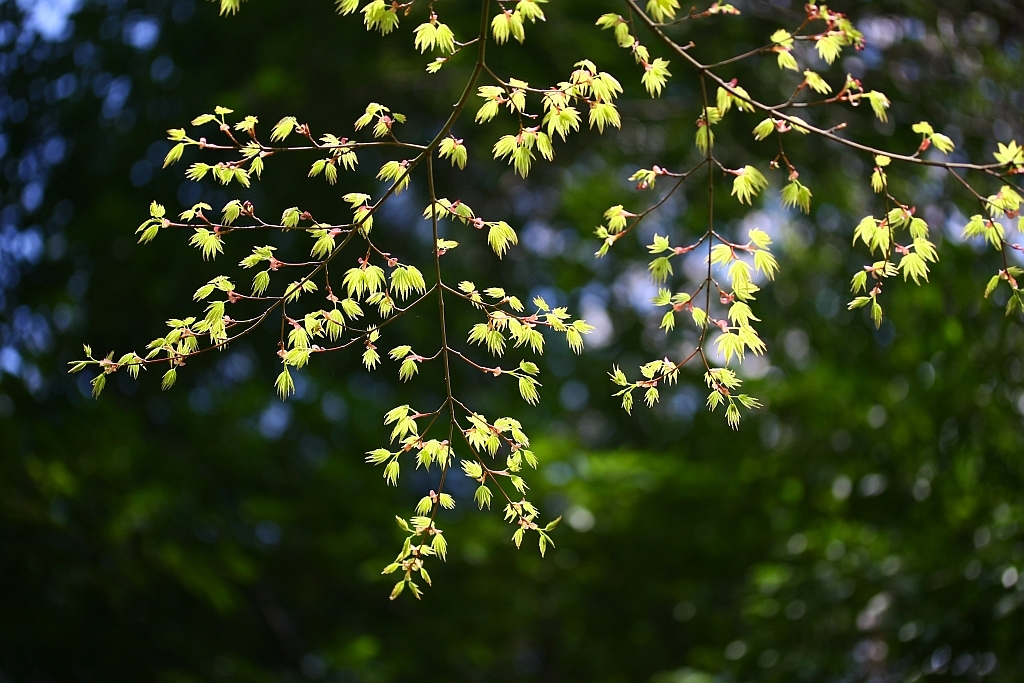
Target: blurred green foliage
(864,526)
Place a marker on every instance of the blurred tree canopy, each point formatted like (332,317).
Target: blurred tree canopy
(864,526)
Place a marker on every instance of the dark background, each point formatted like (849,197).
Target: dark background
(864,526)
